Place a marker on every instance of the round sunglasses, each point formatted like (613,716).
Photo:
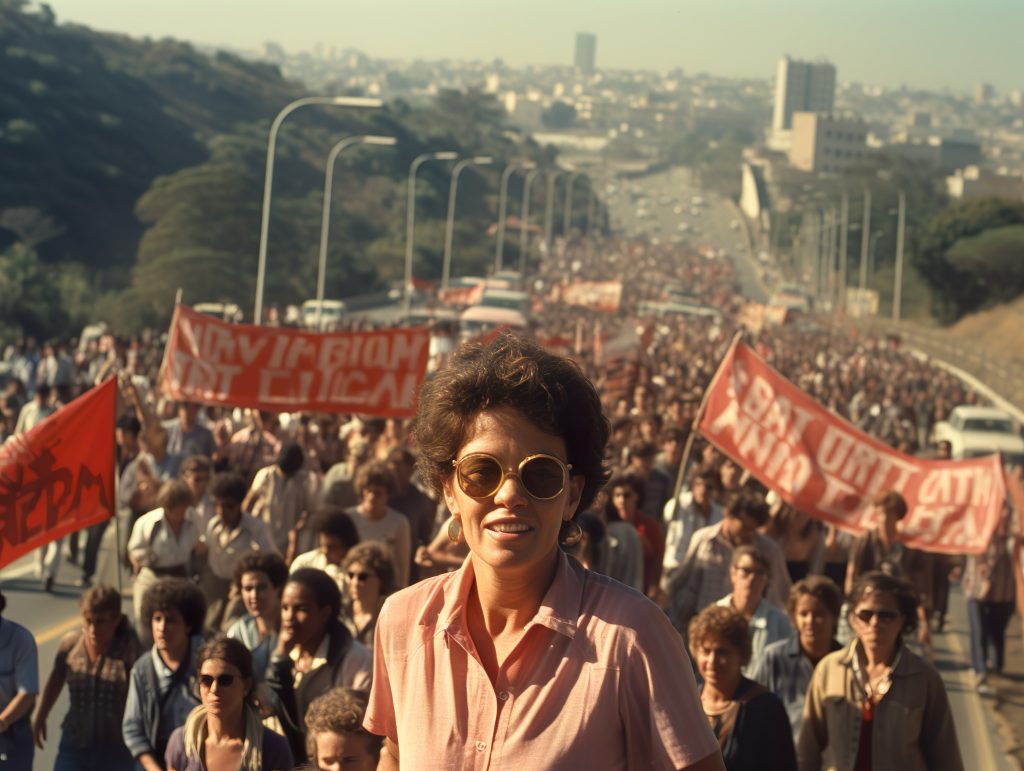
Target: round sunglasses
(225,680)
(884,616)
(481,475)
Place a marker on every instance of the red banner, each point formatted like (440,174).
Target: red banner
(59,476)
(825,467)
(279,369)
(600,295)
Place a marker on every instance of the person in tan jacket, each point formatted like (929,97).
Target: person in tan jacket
(876,705)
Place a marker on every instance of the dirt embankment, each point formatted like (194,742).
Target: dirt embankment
(999,329)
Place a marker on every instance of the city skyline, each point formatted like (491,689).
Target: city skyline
(936,45)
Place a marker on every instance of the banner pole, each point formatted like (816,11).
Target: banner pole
(691,437)
(117,519)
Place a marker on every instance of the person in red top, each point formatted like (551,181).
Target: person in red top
(626,499)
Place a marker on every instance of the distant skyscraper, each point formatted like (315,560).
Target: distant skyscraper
(586,53)
(802,87)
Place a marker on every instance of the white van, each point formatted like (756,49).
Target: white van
(323,315)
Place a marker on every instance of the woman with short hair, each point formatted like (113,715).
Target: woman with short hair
(876,703)
(748,720)
(376,521)
(94,661)
(522,657)
(370,577)
(225,732)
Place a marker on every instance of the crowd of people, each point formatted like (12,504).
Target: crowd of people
(263,548)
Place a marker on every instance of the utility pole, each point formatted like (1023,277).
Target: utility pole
(843,242)
(865,240)
(901,227)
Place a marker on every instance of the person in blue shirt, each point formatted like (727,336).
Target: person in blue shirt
(19,686)
(785,667)
(162,691)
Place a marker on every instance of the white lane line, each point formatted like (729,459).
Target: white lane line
(979,728)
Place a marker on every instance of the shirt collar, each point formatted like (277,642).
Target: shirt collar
(559,609)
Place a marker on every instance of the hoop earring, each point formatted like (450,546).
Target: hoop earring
(454,530)
(575,534)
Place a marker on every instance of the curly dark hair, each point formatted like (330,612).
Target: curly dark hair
(323,588)
(375,556)
(268,563)
(230,485)
(717,622)
(821,587)
(630,480)
(876,582)
(339,711)
(548,390)
(177,594)
(333,521)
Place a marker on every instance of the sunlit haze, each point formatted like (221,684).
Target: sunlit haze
(936,44)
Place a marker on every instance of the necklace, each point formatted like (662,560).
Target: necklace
(863,681)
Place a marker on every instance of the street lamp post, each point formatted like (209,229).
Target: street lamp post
(843,242)
(410,216)
(499,246)
(524,218)
(449,230)
(567,223)
(901,228)
(549,209)
(268,178)
(325,217)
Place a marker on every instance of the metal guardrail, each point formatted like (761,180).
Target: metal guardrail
(1004,376)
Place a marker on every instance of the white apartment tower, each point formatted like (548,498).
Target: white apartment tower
(802,87)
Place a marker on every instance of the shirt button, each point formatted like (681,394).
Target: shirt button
(481,746)
(503,695)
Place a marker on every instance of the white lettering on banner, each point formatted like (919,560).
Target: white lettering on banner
(851,460)
(968,486)
(201,379)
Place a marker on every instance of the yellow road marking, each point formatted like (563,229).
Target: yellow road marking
(57,630)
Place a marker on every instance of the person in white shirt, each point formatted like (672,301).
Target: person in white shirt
(685,514)
(375,521)
(336,534)
(230,536)
(749,577)
(161,544)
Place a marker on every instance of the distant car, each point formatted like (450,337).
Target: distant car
(973,431)
(323,315)
(509,299)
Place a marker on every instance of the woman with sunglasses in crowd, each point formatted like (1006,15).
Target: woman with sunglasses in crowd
(225,732)
(523,657)
(876,704)
(370,576)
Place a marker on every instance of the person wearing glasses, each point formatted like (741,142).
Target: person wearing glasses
(876,704)
(522,657)
(225,731)
(370,577)
(748,574)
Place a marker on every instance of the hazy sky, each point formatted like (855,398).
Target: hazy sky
(927,43)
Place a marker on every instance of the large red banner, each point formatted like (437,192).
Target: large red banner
(825,467)
(600,295)
(59,476)
(279,369)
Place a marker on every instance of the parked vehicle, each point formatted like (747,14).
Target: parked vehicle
(973,431)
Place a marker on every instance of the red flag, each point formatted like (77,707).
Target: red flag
(825,467)
(58,477)
(376,372)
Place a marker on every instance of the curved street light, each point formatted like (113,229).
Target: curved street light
(524,218)
(567,223)
(268,178)
(449,230)
(549,209)
(325,217)
(410,217)
(510,169)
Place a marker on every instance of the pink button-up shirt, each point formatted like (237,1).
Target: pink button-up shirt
(599,680)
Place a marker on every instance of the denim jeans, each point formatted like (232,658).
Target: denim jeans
(987,621)
(71,758)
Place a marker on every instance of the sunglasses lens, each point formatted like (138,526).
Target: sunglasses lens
(479,475)
(223,681)
(543,477)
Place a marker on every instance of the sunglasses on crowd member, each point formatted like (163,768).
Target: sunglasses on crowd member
(481,475)
(359,577)
(225,680)
(884,616)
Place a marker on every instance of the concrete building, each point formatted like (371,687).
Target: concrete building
(585,59)
(802,87)
(972,182)
(821,143)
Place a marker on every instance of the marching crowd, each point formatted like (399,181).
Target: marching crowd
(262,548)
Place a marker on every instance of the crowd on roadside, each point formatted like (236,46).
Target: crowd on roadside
(262,546)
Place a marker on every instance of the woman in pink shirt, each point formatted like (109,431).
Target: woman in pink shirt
(523,658)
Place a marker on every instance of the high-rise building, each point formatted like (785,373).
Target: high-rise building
(802,87)
(586,53)
(822,143)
